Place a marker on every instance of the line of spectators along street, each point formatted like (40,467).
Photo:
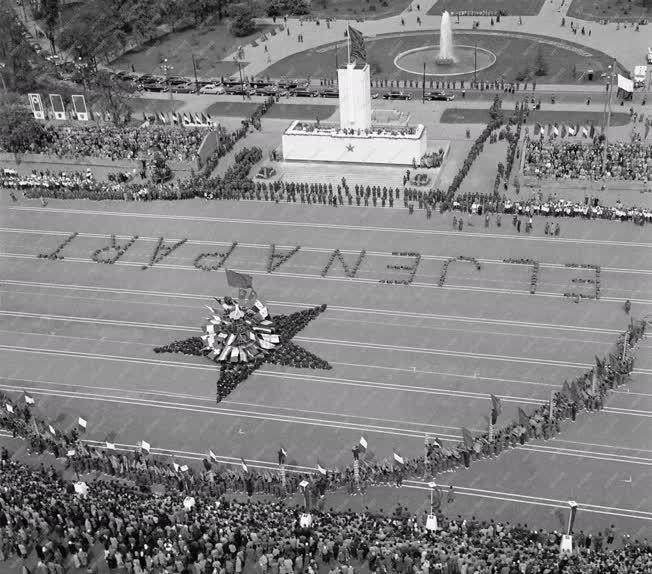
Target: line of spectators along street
(144,534)
(119,143)
(150,470)
(81,185)
(576,160)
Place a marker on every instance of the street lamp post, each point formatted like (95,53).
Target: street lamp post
(2,79)
(166,69)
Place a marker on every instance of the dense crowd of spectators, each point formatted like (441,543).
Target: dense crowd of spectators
(577,160)
(120,143)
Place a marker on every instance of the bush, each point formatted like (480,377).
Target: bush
(19,130)
(243,22)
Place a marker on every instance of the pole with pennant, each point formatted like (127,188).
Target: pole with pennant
(282,454)
(348,44)
(423,87)
(552,398)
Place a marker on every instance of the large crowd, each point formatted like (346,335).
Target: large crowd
(120,143)
(578,160)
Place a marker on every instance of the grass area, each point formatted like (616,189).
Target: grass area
(514,52)
(210,45)
(278,111)
(510,7)
(624,10)
(367,9)
(481,116)
(154,106)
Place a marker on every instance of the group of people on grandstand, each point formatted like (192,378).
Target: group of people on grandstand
(119,143)
(577,160)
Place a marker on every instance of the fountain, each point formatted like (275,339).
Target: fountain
(445,56)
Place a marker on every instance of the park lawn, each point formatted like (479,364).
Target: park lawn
(278,111)
(481,116)
(209,45)
(511,7)
(154,106)
(611,10)
(367,9)
(514,51)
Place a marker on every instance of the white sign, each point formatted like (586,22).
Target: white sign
(431,523)
(188,502)
(57,107)
(566,544)
(305,520)
(36,104)
(81,488)
(79,105)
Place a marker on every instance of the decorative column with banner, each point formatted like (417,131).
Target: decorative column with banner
(356,466)
(79,105)
(282,454)
(567,539)
(36,104)
(58,108)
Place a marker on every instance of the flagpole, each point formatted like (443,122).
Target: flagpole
(552,399)
(608,116)
(423,87)
(348,44)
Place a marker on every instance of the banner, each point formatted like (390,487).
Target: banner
(58,108)
(357,50)
(625,85)
(239,280)
(79,105)
(36,104)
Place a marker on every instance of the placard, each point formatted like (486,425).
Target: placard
(58,108)
(305,520)
(79,105)
(36,104)
(431,523)
(566,544)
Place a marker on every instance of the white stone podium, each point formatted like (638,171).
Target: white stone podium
(355,140)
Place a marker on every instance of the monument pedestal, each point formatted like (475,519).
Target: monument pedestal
(389,146)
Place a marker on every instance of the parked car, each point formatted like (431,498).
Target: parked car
(304,93)
(186,88)
(269,91)
(397,96)
(154,87)
(212,89)
(439,96)
(329,93)
(239,90)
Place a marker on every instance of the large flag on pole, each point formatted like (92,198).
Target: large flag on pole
(357,50)
(243,464)
(239,280)
(496,408)
(362,445)
(28,399)
(625,87)
(398,458)
(321,469)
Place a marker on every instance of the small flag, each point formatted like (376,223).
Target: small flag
(176,467)
(468,438)
(496,408)
(436,442)
(244,464)
(239,280)
(52,431)
(184,468)
(321,469)
(585,132)
(398,458)
(282,453)
(29,400)
(212,455)
(71,453)
(304,483)
(9,408)
(357,50)
(555,130)
(82,423)
(110,445)
(363,443)
(145,445)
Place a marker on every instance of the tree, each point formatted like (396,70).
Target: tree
(282,7)
(540,65)
(50,10)
(19,130)
(243,23)
(113,96)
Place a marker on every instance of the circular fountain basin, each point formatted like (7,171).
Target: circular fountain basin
(465,61)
